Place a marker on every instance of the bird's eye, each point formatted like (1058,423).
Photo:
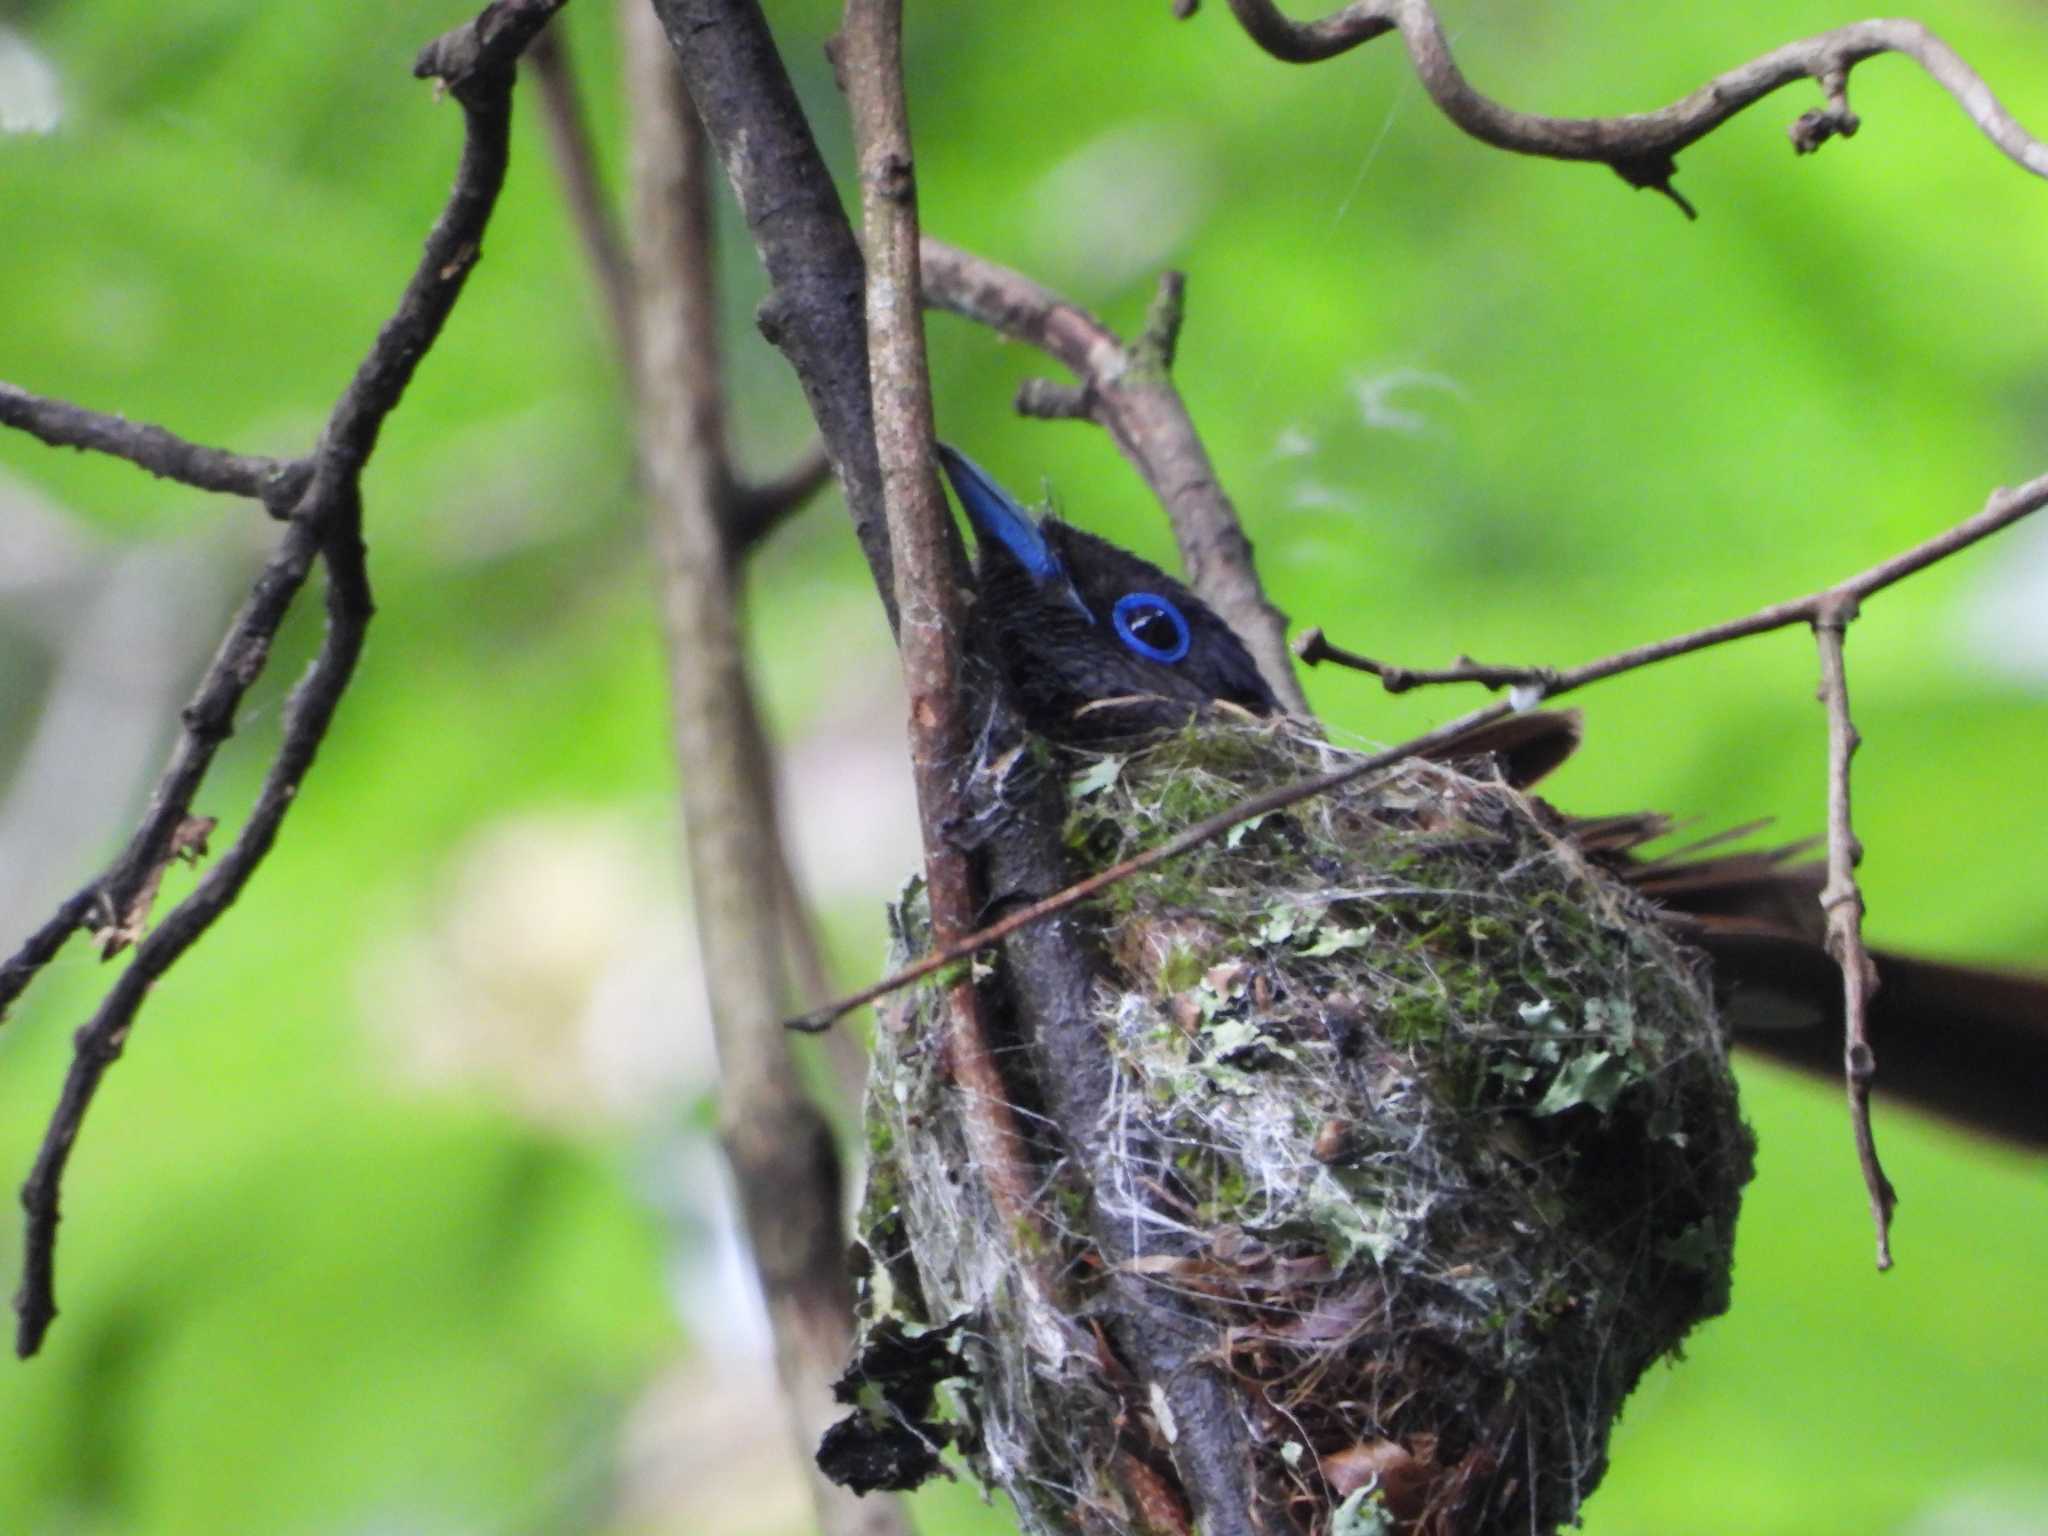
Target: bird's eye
(1151,626)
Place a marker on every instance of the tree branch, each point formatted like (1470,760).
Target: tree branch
(1129,392)
(575,158)
(925,545)
(1842,900)
(1642,146)
(274,482)
(813,311)
(780,1146)
(476,63)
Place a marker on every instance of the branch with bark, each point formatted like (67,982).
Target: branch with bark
(319,497)
(777,1141)
(1642,147)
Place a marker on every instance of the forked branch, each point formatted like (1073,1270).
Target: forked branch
(320,495)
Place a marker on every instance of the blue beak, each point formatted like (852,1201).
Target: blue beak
(995,514)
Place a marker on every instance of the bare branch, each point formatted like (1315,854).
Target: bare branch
(1842,900)
(100,1043)
(1313,647)
(274,482)
(561,114)
(41,947)
(476,63)
(780,1146)
(925,546)
(786,195)
(1642,146)
(2005,506)
(1130,393)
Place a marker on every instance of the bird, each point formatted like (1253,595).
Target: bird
(1094,642)
(1098,645)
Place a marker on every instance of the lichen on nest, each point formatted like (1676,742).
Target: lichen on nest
(1428,1116)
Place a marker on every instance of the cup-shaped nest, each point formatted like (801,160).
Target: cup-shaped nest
(1425,1118)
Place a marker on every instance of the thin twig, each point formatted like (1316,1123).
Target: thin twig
(1642,146)
(2005,506)
(1842,900)
(1129,392)
(1313,647)
(476,63)
(274,482)
(575,158)
(41,947)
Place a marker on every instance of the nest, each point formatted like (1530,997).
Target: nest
(1427,1119)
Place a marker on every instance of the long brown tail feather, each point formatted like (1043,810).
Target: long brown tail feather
(1965,1043)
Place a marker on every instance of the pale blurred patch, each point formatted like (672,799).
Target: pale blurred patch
(555,967)
(706,1452)
(847,804)
(1380,398)
(30,99)
(2017,1506)
(1122,206)
(2002,615)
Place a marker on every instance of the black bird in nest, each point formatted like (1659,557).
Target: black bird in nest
(1098,645)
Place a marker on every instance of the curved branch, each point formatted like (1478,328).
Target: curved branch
(99,1044)
(1641,146)
(923,541)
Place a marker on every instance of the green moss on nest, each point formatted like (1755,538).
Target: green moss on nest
(1438,1115)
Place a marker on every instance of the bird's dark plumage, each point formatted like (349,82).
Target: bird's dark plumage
(1094,642)
(1097,644)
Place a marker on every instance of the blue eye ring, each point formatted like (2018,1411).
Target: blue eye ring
(1136,608)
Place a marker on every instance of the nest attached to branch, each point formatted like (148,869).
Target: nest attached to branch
(1426,1119)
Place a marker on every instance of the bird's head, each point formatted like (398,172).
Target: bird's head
(1095,643)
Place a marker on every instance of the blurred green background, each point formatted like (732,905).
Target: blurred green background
(401,1214)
